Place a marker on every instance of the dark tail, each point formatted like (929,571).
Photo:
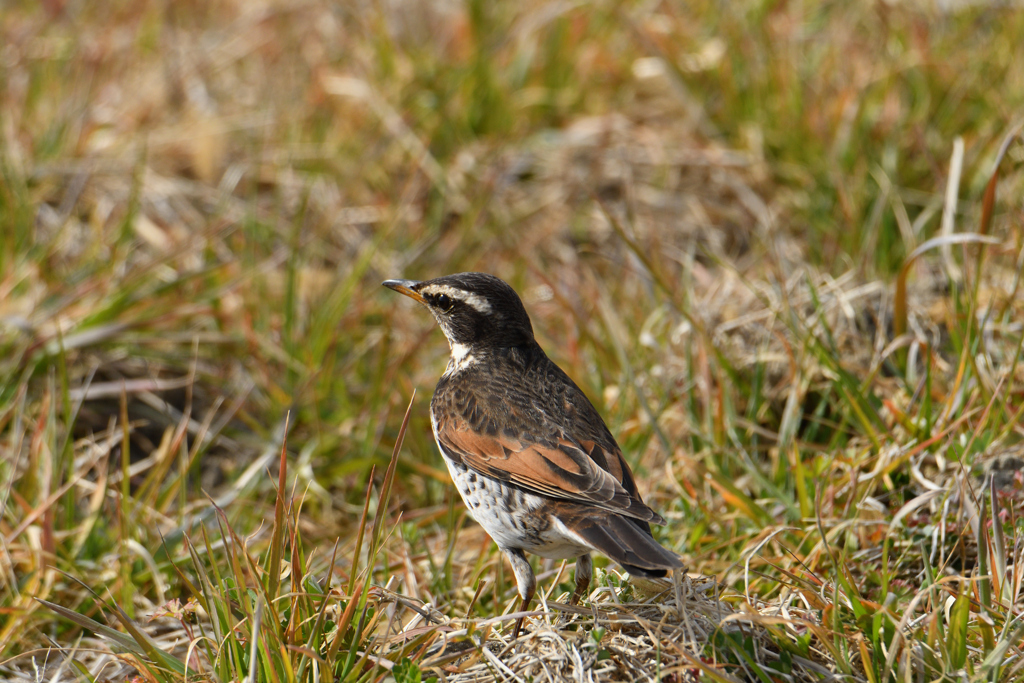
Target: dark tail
(624,541)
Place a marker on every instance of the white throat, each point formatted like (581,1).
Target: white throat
(461,358)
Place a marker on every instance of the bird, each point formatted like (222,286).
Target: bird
(531,457)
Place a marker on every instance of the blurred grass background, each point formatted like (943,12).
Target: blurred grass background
(705,207)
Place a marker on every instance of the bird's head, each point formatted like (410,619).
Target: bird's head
(473,309)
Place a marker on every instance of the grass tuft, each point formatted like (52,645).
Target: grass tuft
(734,226)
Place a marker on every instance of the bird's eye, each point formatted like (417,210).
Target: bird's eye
(444,302)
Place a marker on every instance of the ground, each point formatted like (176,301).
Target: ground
(778,245)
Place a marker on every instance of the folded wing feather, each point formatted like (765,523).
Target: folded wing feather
(557,467)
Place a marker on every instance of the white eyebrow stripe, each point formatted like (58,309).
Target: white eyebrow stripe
(478,302)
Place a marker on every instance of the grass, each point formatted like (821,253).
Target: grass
(734,226)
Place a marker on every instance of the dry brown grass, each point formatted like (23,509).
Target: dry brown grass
(706,210)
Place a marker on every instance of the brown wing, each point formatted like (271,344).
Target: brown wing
(558,467)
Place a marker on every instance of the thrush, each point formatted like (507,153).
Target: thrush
(530,455)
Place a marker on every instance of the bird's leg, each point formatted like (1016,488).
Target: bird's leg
(524,579)
(584,571)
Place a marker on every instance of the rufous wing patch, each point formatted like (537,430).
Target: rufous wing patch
(559,468)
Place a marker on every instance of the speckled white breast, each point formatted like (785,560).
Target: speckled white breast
(512,517)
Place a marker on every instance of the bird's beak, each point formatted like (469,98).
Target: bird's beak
(405,287)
